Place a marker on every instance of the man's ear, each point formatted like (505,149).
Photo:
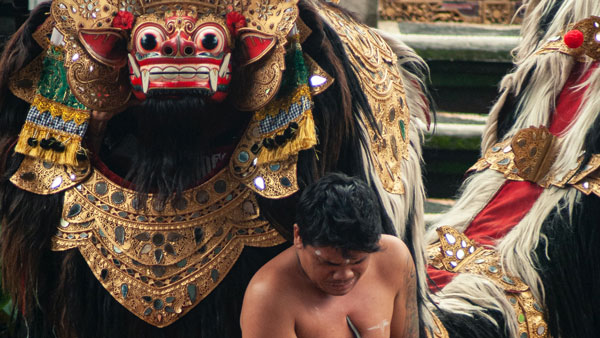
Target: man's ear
(297,239)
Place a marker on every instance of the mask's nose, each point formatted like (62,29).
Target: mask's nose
(178,46)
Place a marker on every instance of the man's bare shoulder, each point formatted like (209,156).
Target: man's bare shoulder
(268,295)
(273,281)
(394,258)
(275,276)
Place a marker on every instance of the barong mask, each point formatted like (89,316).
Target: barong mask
(182,52)
(113,48)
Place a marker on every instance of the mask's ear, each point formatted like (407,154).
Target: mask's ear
(107,46)
(256,43)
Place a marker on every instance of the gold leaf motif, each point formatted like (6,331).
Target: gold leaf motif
(534,152)
(45,178)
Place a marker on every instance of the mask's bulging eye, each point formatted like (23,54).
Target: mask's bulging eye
(210,41)
(148,39)
(210,38)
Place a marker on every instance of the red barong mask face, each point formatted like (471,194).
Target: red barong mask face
(180,53)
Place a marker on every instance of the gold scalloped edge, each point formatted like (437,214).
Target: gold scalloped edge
(113,260)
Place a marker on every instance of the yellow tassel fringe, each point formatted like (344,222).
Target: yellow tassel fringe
(273,108)
(68,156)
(306,138)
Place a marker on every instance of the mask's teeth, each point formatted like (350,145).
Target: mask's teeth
(145,81)
(224,65)
(213,80)
(134,65)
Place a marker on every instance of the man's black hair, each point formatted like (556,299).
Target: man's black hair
(341,212)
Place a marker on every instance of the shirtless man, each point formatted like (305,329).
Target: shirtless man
(341,278)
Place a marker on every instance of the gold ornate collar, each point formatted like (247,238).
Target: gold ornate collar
(159,261)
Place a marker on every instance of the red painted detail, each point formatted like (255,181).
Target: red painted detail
(107,46)
(257,44)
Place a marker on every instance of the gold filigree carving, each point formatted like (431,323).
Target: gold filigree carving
(439,331)
(23,84)
(590,48)
(45,178)
(258,83)
(303,30)
(486,262)
(381,82)
(41,33)
(458,249)
(160,260)
(474,11)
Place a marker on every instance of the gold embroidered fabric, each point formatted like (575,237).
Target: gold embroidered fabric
(160,260)
(486,262)
(381,82)
(44,178)
(501,157)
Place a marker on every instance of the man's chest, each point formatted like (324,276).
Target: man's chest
(370,313)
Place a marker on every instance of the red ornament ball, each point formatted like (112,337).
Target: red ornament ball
(574,38)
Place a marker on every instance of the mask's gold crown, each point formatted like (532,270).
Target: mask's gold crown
(206,6)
